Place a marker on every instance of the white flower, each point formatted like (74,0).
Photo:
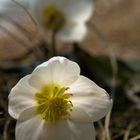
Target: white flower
(55,102)
(66,16)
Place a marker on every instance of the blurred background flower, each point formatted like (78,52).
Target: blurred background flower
(67,18)
(118,21)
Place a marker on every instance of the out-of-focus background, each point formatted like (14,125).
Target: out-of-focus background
(118,20)
(109,55)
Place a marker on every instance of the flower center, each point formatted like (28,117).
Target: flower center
(54,103)
(53,18)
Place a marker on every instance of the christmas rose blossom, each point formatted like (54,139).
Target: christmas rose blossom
(55,102)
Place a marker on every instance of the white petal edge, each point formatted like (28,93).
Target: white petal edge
(73,32)
(57,70)
(21,97)
(92,101)
(29,126)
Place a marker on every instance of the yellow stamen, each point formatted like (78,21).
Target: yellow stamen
(53,103)
(53,18)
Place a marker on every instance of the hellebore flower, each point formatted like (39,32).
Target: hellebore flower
(55,102)
(66,17)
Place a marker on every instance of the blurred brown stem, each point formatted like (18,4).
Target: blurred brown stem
(25,9)
(53,45)
(5,131)
(14,37)
(136,137)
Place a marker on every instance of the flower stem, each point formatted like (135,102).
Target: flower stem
(53,46)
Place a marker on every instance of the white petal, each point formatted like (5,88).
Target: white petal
(29,126)
(73,32)
(21,97)
(78,10)
(58,70)
(80,115)
(39,5)
(68,130)
(89,98)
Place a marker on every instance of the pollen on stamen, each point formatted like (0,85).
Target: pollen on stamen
(53,103)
